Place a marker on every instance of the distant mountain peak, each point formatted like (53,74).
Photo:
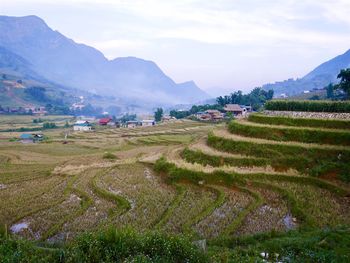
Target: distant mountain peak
(61,60)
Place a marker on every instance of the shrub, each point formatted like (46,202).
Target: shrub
(49,125)
(305,105)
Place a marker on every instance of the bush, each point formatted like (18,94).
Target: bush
(49,125)
(305,105)
(291,134)
(302,122)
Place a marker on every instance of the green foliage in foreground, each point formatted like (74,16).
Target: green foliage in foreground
(291,134)
(307,105)
(320,245)
(316,161)
(299,122)
(106,246)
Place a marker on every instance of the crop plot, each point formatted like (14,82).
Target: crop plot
(212,183)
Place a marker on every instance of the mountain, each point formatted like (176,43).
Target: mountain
(318,78)
(61,60)
(16,75)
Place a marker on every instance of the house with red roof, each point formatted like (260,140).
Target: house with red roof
(105,121)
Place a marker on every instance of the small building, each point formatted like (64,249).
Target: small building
(106,121)
(82,126)
(203,116)
(247,108)
(77,106)
(31,138)
(40,111)
(283,95)
(27,138)
(199,114)
(132,124)
(215,115)
(235,109)
(167,117)
(146,123)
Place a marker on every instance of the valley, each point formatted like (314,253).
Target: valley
(180,177)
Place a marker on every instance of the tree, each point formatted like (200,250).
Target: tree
(270,94)
(256,98)
(330,91)
(125,118)
(344,83)
(158,114)
(220,100)
(38,93)
(179,114)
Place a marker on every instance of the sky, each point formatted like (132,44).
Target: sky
(222,45)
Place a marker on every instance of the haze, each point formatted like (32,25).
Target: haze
(221,45)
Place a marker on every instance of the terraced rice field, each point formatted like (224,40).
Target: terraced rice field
(180,177)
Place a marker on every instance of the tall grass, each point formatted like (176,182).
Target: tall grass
(299,122)
(107,246)
(290,134)
(307,105)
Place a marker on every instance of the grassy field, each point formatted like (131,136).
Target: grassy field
(182,177)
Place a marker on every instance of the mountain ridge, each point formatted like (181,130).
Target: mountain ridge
(318,78)
(77,65)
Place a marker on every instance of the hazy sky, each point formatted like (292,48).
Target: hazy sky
(223,45)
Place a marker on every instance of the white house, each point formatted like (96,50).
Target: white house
(148,123)
(82,126)
(132,124)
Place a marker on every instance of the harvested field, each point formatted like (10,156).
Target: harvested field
(178,177)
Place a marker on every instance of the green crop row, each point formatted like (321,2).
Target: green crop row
(307,105)
(294,205)
(120,201)
(313,161)
(86,202)
(217,161)
(280,164)
(258,201)
(291,134)
(180,194)
(299,122)
(221,196)
(177,174)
